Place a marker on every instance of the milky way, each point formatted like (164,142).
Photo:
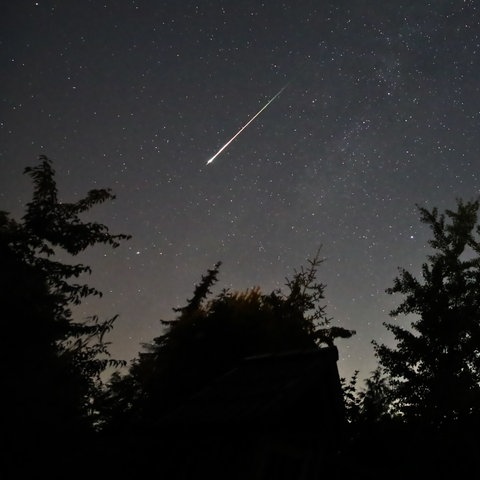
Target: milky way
(382,113)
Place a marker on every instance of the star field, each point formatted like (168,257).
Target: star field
(381,112)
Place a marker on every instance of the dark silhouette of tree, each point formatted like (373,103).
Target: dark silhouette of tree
(434,369)
(372,435)
(50,364)
(375,399)
(209,337)
(370,404)
(351,398)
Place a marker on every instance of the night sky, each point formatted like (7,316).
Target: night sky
(381,112)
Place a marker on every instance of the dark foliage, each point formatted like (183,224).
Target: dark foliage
(209,337)
(50,364)
(434,368)
(423,400)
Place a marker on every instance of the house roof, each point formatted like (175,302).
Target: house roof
(286,388)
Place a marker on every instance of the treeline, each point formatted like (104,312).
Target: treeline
(420,408)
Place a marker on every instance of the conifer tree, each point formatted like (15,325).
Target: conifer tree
(434,368)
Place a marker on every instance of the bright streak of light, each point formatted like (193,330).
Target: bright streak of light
(246,125)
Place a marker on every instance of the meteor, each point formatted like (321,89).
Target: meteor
(246,125)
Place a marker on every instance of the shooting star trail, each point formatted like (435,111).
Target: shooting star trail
(246,125)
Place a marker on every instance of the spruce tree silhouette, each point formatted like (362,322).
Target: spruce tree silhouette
(434,368)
